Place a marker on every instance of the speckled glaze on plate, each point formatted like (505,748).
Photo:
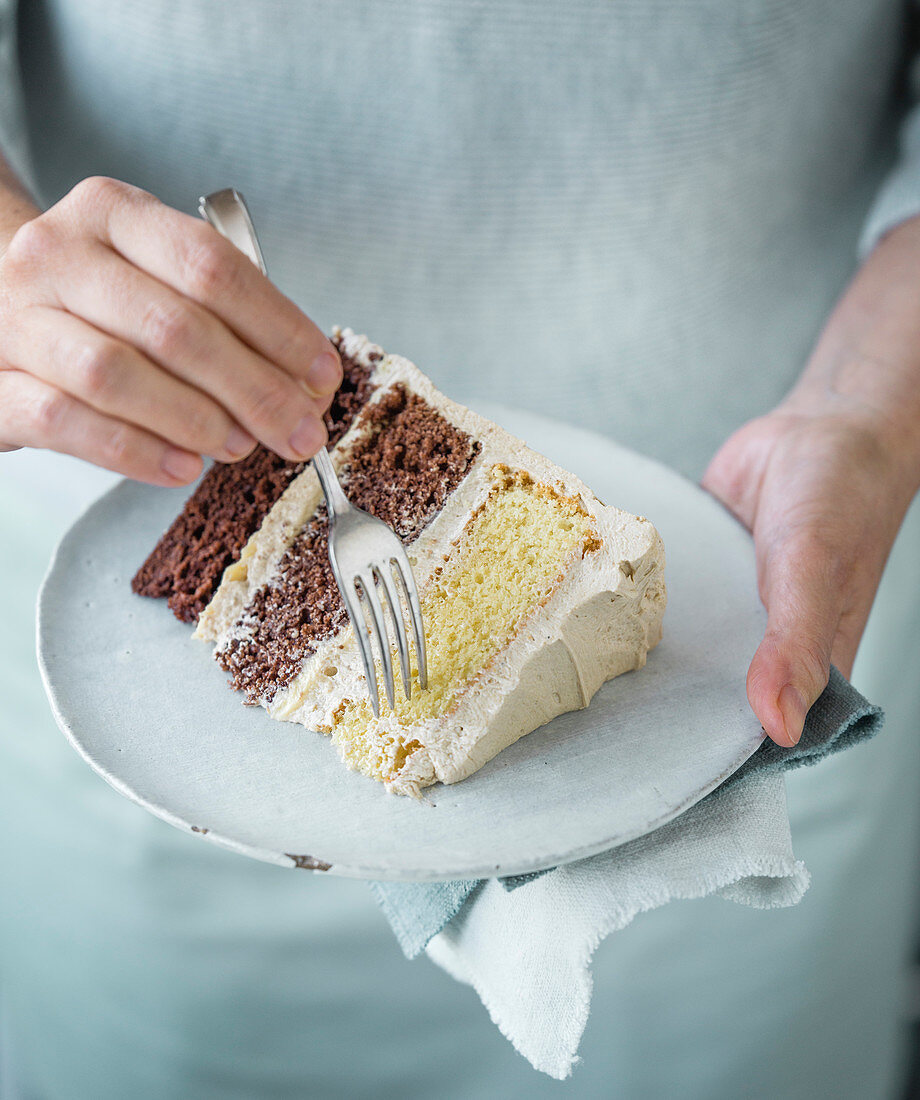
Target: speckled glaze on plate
(148,708)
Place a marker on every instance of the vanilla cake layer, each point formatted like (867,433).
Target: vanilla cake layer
(534,592)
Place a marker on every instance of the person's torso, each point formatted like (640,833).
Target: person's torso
(632,216)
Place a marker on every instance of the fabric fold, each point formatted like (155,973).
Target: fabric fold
(526,943)
(528,953)
(841,717)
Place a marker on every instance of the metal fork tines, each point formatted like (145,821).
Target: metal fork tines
(366,555)
(364,552)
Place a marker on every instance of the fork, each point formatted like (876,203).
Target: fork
(363,550)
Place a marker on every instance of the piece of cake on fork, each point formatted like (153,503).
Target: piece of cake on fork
(533,592)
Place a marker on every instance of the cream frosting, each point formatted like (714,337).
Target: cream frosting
(599,622)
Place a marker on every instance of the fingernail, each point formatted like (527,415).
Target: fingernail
(181,465)
(324,373)
(793,708)
(239,442)
(307,438)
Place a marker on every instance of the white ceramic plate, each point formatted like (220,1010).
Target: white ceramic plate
(149,709)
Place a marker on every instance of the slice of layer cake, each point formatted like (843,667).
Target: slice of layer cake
(533,592)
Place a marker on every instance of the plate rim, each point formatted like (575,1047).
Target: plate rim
(316,861)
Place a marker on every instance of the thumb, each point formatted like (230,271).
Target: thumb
(800,588)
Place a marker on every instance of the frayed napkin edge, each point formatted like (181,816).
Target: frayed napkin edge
(792,872)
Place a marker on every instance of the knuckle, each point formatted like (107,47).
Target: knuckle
(812,658)
(270,405)
(31,245)
(48,412)
(299,345)
(117,446)
(96,368)
(800,655)
(96,191)
(205,428)
(212,268)
(169,328)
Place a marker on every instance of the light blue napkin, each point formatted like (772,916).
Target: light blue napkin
(418,911)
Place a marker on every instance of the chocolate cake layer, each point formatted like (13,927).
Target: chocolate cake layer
(403,471)
(229,505)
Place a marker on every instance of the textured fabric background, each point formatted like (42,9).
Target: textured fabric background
(596,207)
(632,214)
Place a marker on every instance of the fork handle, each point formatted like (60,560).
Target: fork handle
(228,213)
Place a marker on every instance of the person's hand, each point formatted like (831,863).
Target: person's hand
(824,502)
(136,337)
(824,481)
